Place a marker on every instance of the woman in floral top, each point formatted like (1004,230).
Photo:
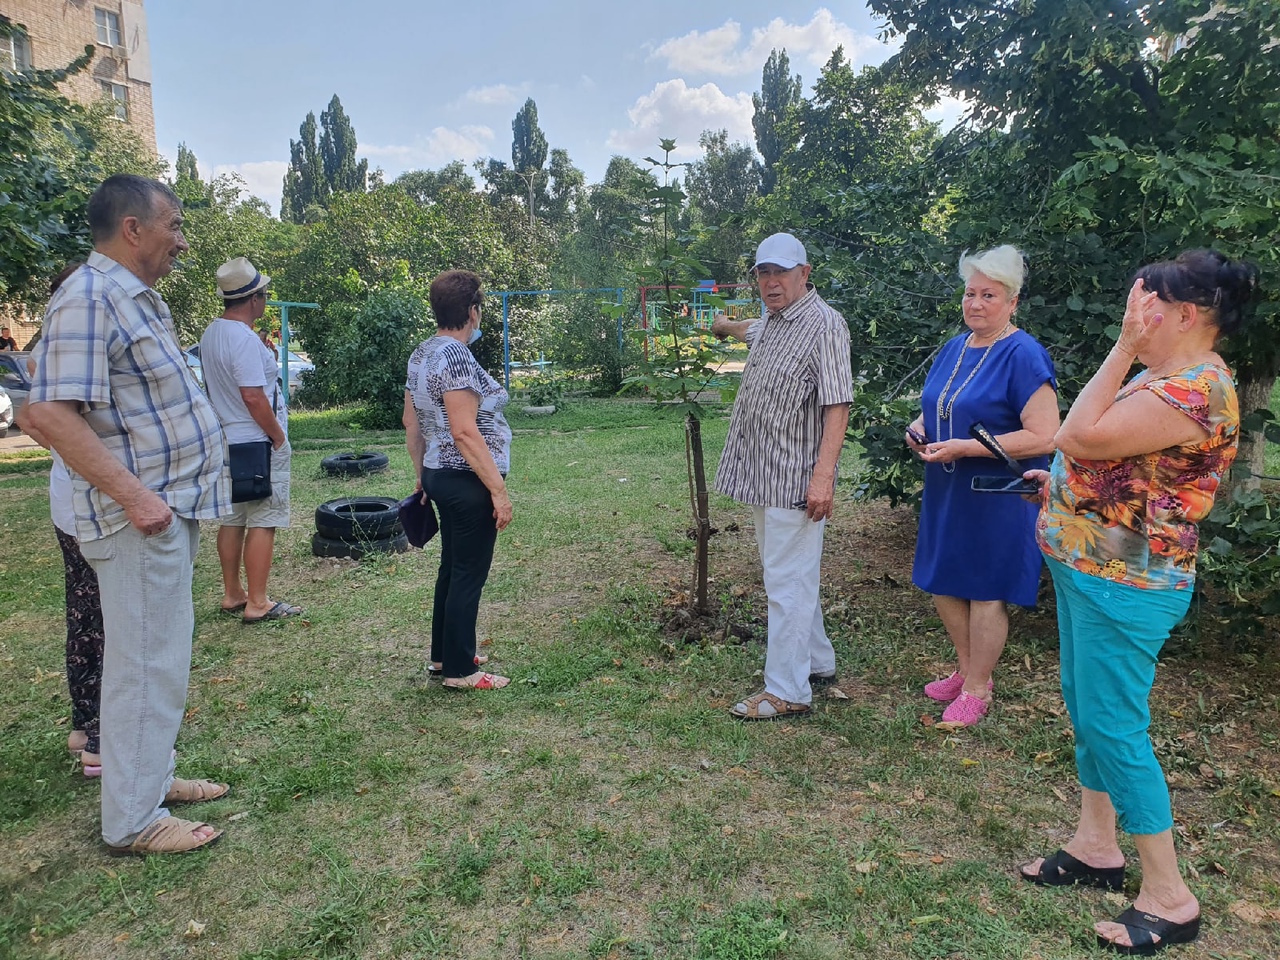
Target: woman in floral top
(1137,468)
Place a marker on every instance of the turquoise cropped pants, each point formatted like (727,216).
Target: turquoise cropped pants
(1110,635)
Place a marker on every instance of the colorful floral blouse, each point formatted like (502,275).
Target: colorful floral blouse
(1134,520)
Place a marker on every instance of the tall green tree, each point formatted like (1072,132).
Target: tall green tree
(426,186)
(722,186)
(1175,106)
(186,168)
(53,153)
(306,191)
(613,228)
(528,149)
(227,222)
(565,188)
(342,172)
(779,93)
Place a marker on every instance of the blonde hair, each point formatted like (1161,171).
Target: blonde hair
(1004,264)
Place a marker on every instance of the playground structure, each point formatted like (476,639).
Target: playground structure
(698,307)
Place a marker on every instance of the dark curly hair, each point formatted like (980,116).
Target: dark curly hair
(1208,279)
(453,294)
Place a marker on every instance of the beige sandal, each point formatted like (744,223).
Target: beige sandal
(765,706)
(195,791)
(166,835)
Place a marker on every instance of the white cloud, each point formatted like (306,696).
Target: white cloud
(676,111)
(442,145)
(264,178)
(724,50)
(947,111)
(495,95)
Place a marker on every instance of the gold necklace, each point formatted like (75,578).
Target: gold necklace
(945,407)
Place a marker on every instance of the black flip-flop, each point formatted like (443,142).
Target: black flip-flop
(1140,927)
(278,612)
(1063,870)
(238,608)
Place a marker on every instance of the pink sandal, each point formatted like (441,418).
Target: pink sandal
(965,710)
(948,688)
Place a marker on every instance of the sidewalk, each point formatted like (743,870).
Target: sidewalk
(17,441)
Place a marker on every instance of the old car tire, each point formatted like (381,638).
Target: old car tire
(327,547)
(354,464)
(359,518)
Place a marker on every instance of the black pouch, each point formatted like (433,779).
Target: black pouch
(250,470)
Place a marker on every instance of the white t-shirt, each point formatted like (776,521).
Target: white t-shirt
(233,357)
(61,510)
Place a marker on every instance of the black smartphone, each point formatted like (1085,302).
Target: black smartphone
(1004,485)
(917,436)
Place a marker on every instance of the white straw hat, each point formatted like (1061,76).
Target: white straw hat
(239,278)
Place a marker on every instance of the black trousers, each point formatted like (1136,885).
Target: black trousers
(468,533)
(85,639)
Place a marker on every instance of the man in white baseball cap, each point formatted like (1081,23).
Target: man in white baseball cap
(785,436)
(240,375)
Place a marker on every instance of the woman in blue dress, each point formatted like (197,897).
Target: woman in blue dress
(976,552)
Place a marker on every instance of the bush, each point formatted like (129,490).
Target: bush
(370,353)
(586,341)
(1238,587)
(546,390)
(887,467)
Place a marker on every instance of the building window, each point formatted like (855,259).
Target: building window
(108,27)
(15,52)
(119,94)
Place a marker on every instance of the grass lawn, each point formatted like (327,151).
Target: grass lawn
(604,805)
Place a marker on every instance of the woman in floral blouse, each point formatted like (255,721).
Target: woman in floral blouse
(1137,469)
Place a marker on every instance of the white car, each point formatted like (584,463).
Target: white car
(6,413)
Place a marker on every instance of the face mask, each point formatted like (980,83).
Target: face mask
(475,335)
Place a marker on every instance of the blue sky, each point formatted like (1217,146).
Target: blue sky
(427,82)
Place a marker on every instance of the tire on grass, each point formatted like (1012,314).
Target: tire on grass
(359,518)
(354,464)
(327,547)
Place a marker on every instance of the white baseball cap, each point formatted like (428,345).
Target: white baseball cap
(781,249)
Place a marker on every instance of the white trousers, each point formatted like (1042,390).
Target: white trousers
(791,555)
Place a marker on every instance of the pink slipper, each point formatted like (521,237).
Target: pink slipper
(90,764)
(965,710)
(948,688)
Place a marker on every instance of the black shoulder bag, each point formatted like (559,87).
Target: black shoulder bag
(251,466)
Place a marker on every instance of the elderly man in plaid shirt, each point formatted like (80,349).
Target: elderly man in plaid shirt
(780,457)
(113,394)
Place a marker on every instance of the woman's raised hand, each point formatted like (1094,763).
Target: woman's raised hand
(1141,319)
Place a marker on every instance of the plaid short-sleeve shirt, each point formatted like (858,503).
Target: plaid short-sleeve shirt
(798,364)
(109,345)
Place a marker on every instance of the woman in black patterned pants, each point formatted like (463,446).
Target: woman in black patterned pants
(84,651)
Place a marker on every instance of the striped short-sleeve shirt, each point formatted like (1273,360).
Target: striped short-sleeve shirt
(109,345)
(438,366)
(798,364)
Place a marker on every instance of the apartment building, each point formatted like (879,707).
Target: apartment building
(57,31)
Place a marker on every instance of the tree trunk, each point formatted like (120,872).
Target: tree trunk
(701,512)
(1254,394)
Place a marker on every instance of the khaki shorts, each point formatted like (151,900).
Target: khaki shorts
(273,511)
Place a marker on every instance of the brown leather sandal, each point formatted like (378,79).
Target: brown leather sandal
(166,835)
(765,706)
(195,791)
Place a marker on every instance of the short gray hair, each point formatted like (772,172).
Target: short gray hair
(1004,264)
(126,195)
